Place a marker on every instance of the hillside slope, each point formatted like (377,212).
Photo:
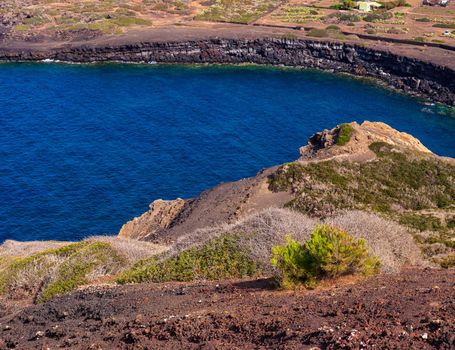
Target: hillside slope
(370,180)
(369,167)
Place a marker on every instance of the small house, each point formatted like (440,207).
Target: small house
(443,3)
(368,6)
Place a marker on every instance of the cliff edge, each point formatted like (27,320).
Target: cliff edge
(165,221)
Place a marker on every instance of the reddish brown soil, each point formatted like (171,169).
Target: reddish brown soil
(411,310)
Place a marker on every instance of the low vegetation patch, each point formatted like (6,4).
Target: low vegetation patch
(44,273)
(318,33)
(423,222)
(298,14)
(242,249)
(344,134)
(378,17)
(394,180)
(16,271)
(445,25)
(408,188)
(446,262)
(220,258)
(237,11)
(75,271)
(329,253)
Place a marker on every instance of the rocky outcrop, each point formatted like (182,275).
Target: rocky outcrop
(321,145)
(161,215)
(406,74)
(381,132)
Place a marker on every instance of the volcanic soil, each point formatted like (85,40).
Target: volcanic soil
(414,309)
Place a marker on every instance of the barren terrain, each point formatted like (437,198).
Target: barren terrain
(72,21)
(411,310)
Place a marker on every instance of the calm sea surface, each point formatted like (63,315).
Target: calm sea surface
(83,149)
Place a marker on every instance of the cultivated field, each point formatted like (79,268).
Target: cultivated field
(63,20)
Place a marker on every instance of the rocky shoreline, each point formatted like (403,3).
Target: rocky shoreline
(410,75)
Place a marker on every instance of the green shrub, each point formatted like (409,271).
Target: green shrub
(73,272)
(377,17)
(446,262)
(348,17)
(333,27)
(344,134)
(444,25)
(330,252)
(318,33)
(423,19)
(421,222)
(217,259)
(291,260)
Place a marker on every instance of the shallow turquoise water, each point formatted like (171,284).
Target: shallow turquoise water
(85,148)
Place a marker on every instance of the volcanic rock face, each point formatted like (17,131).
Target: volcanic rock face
(160,216)
(407,74)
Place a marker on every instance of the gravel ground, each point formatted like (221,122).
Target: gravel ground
(414,309)
(411,310)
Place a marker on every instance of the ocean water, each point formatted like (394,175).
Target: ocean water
(83,149)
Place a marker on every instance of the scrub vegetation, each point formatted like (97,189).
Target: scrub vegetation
(344,134)
(243,249)
(49,272)
(416,190)
(394,180)
(329,253)
(237,11)
(220,258)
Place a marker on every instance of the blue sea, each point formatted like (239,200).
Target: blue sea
(84,148)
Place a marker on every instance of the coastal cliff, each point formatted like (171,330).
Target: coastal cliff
(327,177)
(403,73)
(373,182)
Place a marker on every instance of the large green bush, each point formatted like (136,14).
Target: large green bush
(330,252)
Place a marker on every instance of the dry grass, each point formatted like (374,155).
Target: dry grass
(132,249)
(11,248)
(41,270)
(391,242)
(237,11)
